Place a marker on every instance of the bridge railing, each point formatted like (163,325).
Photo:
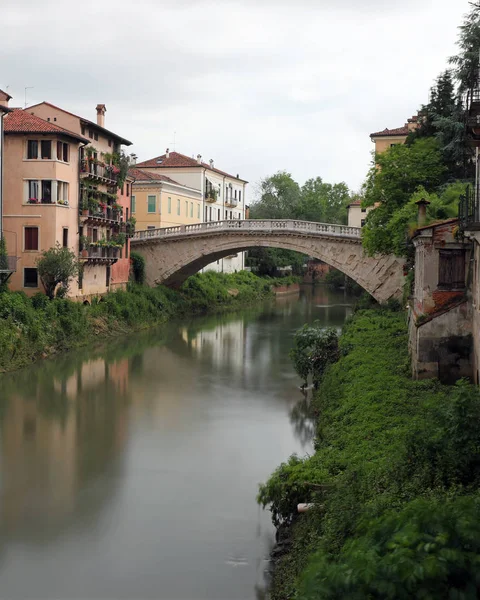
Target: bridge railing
(253,225)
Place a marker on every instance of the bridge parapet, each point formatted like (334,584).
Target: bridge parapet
(252,225)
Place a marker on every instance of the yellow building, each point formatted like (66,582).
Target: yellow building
(391,137)
(159,201)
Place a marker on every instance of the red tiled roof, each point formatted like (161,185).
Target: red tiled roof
(140,175)
(21,121)
(86,121)
(387,132)
(437,223)
(177,160)
(356,202)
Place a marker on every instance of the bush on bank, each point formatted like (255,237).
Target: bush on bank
(394,479)
(36,327)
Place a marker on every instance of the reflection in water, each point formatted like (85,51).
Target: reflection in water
(134,466)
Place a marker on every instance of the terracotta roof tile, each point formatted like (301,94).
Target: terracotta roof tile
(177,160)
(21,121)
(387,132)
(86,121)
(140,175)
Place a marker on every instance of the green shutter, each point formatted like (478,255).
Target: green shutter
(152,204)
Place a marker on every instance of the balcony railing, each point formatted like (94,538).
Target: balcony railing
(107,214)
(99,171)
(8,266)
(211,195)
(469,209)
(99,254)
(48,200)
(231,202)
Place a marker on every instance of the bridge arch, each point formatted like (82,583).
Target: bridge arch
(173,254)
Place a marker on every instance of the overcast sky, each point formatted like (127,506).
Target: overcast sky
(257,85)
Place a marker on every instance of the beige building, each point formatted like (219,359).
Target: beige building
(159,201)
(40,192)
(357,214)
(6,267)
(222,194)
(391,137)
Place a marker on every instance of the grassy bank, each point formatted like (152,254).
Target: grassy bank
(394,480)
(32,328)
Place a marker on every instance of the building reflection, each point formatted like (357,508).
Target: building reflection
(61,426)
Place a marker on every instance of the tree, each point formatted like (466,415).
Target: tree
(56,267)
(314,349)
(279,198)
(3,264)
(398,173)
(323,202)
(466,61)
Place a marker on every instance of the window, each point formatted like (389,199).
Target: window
(198,211)
(62,192)
(178,207)
(210,213)
(219,215)
(150,227)
(96,139)
(30,278)
(83,129)
(362,222)
(169,205)
(46,149)
(133,204)
(33,191)
(186,208)
(127,192)
(46,191)
(151,201)
(239,195)
(32,149)
(62,151)
(364,210)
(94,235)
(107,274)
(31,238)
(90,133)
(235,194)
(65,237)
(451,269)
(191,209)
(109,143)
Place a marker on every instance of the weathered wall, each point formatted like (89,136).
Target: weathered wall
(442,346)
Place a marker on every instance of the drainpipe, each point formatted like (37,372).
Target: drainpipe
(1,174)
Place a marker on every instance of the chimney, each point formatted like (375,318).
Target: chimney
(167,153)
(4,98)
(199,159)
(101,110)
(422,211)
(211,163)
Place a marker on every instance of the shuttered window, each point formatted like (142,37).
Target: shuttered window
(451,273)
(31,238)
(152,200)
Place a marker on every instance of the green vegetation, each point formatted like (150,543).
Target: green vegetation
(435,163)
(138,267)
(56,267)
(3,264)
(338,280)
(313,350)
(282,198)
(394,479)
(38,327)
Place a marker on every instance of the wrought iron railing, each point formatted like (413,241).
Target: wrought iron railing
(8,266)
(469,209)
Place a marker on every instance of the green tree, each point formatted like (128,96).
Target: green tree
(3,264)
(323,202)
(279,198)
(56,267)
(314,349)
(466,61)
(398,172)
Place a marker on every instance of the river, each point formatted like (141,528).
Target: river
(130,470)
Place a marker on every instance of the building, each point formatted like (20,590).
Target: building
(159,201)
(357,214)
(103,199)
(41,189)
(391,137)
(8,264)
(223,195)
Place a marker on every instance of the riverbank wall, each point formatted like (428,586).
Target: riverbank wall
(36,328)
(392,477)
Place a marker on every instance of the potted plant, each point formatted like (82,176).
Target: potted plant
(84,243)
(33,200)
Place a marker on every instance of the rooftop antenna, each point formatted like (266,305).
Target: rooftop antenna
(174,140)
(27,88)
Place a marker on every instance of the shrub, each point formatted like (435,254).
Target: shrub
(138,267)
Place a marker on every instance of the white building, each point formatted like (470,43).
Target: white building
(223,195)
(357,214)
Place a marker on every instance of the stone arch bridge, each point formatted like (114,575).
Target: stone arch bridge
(174,253)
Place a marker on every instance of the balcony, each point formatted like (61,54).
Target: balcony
(95,254)
(8,265)
(99,171)
(48,200)
(211,195)
(469,210)
(231,202)
(100,216)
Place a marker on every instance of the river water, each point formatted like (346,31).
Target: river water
(130,470)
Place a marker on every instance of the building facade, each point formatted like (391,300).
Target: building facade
(159,201)
(391,137)
(357,214)
(222,194)
(104,200)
